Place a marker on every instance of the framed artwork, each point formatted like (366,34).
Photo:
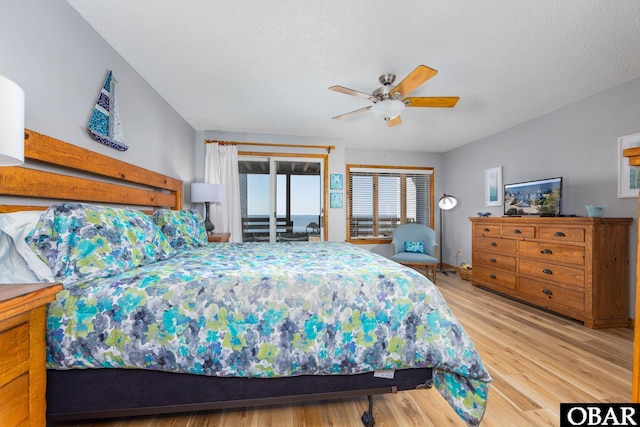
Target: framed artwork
(628,184)
(335,200)
(493,186)
(335,181)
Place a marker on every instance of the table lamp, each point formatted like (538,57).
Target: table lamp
(11,123)
(205,192)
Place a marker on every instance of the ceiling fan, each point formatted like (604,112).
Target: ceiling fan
(389,102)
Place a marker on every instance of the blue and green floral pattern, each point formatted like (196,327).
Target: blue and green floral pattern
(183,228)
(80,242)
(269,310)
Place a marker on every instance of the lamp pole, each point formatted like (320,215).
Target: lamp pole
(441,270)
(446,202)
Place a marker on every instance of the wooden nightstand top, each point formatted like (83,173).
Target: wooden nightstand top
(218,237)
(19,298)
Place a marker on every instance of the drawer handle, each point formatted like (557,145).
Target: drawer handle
(547,292)
(546,251)
(493,244)
(493,276)
(547,271)
(493,260)
(517,232)
(559,234)
(485,229)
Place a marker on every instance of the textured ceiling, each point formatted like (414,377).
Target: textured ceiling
(265,66)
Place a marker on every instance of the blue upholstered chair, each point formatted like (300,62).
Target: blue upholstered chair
(408,242)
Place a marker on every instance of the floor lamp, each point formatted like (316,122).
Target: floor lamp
(446,202)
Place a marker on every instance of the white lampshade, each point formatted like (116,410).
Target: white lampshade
(447,202)
(387,109)
(205,192)
(11,123)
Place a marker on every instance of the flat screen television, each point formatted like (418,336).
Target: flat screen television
(542,197)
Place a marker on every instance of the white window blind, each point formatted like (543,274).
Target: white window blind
(382,198)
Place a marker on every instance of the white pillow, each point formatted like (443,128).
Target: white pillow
(18,263)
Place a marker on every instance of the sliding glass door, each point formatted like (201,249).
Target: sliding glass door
(281,198)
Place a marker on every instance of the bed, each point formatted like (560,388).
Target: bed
(172,323)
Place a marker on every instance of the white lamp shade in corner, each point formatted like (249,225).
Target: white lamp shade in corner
(11,123)
(447,202)
(205,192)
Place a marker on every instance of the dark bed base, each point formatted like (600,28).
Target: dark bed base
(105,393)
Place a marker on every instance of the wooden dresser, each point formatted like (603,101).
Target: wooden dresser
(578,267)
(22,353)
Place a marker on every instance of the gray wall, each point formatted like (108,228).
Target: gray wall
(578,142)
(61,62)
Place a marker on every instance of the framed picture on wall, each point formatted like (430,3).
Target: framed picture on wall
(335,200)
(628,184)
(493,186)
(335,181)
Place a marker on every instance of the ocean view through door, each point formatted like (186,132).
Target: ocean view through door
(281,198)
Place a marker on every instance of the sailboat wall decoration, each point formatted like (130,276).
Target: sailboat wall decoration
(104,125)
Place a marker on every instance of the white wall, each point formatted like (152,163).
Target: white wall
(578,142)
(61,62)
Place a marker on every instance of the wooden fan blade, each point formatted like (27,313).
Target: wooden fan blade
(360,110)
(394,122)
(421,74)
(348,91)
(432,101)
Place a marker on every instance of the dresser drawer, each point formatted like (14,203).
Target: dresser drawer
(555,294)
(491,276)
(495,244)
(552,251)
(14,351)
(518,231)
(493,260)
(15,401)
(486,229)
(561,234)
(548,272)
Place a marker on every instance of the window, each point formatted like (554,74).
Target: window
(380,198)
(282,197)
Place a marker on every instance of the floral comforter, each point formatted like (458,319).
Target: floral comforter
(269,310)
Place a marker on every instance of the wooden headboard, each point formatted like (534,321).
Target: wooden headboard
(57,170)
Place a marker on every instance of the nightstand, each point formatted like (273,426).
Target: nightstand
(23,374)
(219,237)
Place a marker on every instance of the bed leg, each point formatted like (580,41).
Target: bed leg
(427,384)
(367,417)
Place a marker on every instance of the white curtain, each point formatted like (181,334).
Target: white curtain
(221,167)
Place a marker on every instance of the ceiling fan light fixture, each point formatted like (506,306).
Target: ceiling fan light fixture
(387,109)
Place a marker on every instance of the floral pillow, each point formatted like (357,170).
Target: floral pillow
(417,247)
(81,242)
(184,228)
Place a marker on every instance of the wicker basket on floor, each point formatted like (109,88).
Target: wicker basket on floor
(464,273)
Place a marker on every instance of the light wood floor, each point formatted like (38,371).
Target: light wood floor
(537,361)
